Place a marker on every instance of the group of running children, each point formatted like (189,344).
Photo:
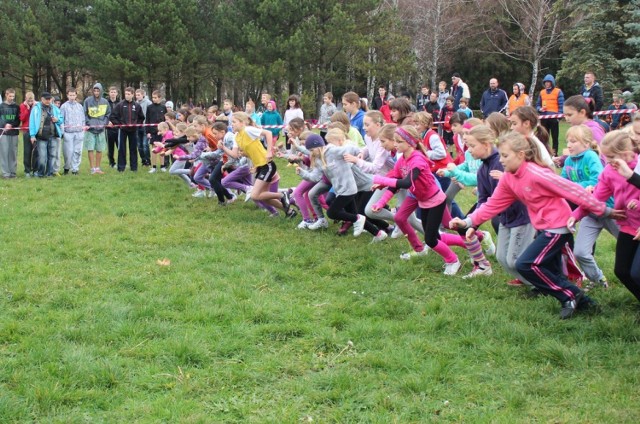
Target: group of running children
(357,164)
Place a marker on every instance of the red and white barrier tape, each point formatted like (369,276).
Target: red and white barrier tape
(321,126)
(600,113)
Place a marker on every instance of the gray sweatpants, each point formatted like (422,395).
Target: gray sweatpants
(9,155)
(72,150)
(588,232)
(178,168)
(511,243)
(314,197)
(386,214)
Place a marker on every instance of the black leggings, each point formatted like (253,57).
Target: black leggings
(431,220)
(627,266)
(362,198)
(343,208)
(215,179)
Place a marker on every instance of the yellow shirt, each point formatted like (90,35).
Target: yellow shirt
(249,141)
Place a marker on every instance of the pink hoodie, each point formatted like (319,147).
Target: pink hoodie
(610,182)
(543,192)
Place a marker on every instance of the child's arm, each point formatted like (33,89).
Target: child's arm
(269,137)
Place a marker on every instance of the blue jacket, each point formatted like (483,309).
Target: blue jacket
(493,101)
(357,121)
(516,214)
(584,169)
(36,115)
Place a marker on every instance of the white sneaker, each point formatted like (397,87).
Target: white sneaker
(413,254)
(163,169)
(233,199)
(303,225)
(320,223)
(153,171)
(487,244)
(247,195)
(452,268)
(199,193)
(477,272)
(210,194)
(358,226)
(397,233)
(381,236)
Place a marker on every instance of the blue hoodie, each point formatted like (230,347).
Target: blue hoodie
(551,79)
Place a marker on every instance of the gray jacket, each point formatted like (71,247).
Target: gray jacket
(97,112)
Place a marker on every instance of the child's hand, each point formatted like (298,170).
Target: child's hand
(471,232)
(350,158)
(637,237)
(632,204)
(440,172)
(571,224)
(495,174)
(618,214)
(589,189)
(622,167)
(298,169)
(457,223)
(451,166)
(376,187)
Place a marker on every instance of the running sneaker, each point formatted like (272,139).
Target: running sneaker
(515,283)
(487,244)
(285,202)
(319,224)
(153,171)
(247,195)
(345,227)
(413,254)
(397,233)
(452,268)
(358,226)
(199,193)
(478,272)
(381,236)
(602,283)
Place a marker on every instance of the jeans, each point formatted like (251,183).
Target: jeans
(46,156)
(143,147)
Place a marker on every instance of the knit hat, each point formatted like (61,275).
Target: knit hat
(168,104)
(272,103)
(313,141)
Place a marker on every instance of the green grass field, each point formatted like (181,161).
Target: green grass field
(257,322)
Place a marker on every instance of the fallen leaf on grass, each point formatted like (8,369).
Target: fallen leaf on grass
(163,262)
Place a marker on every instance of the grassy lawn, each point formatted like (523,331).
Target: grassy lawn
(255,321)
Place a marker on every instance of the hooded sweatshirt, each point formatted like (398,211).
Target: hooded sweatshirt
(552,80)
(96,111)
(10,114)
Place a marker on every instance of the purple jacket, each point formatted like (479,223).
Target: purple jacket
(516,214)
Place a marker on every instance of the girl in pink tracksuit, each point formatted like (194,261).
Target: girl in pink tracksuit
(618,150)
(543,192)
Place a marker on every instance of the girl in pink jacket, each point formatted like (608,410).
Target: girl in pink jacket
(413,172)
(618,150)
(545,195)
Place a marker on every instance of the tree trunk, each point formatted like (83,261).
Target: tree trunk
(535,66)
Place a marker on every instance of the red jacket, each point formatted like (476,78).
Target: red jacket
(25,113)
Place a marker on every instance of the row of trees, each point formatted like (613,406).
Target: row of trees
(211,49)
